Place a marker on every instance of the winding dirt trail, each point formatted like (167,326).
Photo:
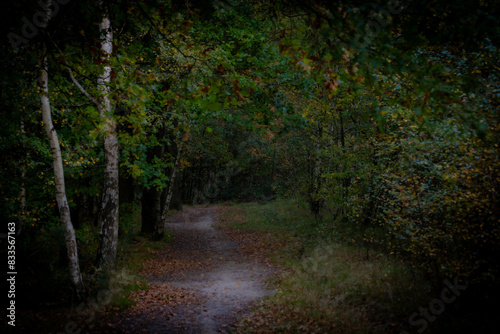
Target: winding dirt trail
(200,283)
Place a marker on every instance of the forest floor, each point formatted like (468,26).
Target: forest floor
(201,282)
(213,272)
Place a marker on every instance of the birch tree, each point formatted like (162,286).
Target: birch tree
(159,228)
(108,240)
(57,163)
(108,243)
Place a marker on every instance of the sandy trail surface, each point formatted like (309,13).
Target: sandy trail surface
(200,283)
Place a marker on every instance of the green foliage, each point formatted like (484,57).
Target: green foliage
(390,137)
(129,221)
(280,217)
(433,198)
(326,286)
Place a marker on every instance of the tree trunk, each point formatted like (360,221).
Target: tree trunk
(316,204)
(160,227)
(126,189)
(62,202)
(157,225)
(176,202)
(108,242)
(345,179)
(148,213)
(152,198)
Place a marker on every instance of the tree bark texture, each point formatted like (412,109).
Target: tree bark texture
(62,202)
(160,227)
(108,243)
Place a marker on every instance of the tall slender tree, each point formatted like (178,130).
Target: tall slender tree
(62,202)
(110,204)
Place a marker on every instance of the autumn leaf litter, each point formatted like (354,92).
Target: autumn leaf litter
(202,282)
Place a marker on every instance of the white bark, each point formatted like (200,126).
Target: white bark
(170,192)
(62,202)
(109,225)
(80,87)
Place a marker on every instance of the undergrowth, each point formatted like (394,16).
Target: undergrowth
(134,251)
(332,287)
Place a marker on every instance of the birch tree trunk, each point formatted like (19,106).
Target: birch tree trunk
(160,226)
(62,202)
(108,242)
(152,198)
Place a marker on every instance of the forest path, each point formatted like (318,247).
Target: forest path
(200,283)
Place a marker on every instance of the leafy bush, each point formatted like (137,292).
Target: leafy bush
(435,199)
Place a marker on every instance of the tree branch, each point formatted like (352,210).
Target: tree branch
(153,25)
(76,82)
(84,92)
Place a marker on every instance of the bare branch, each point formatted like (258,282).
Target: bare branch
(76,82)
(84,92)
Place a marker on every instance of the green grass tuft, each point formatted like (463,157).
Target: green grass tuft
(328,286)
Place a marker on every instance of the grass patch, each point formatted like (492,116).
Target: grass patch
(133,255)
(330,287)
(281,217)
(122,301)
(333,288)
(131,260)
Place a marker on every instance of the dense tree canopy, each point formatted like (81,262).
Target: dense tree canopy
(381,115)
